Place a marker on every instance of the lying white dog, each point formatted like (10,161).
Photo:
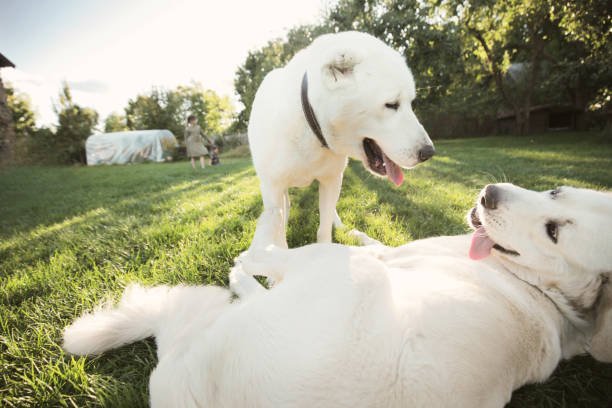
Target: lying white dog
(355,101)
(421,325)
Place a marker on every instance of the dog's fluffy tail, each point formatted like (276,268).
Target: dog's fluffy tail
(143,312)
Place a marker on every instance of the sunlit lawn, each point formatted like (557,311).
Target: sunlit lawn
(71,237)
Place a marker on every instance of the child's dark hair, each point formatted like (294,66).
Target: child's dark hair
(190,118)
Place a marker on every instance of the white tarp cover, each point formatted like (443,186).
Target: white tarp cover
(129,147)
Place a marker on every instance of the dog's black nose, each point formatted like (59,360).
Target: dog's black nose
(490,198)
(426,153)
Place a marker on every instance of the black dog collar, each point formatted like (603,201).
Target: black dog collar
(309,113)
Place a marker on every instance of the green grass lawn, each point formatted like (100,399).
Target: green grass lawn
(72,237)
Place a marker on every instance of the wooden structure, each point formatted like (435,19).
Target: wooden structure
(543,118)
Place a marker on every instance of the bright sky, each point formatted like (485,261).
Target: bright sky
(110,50)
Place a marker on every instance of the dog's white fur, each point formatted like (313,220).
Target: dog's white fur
(415,326)
(351,76)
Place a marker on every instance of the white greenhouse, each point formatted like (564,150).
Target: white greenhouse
(130,147)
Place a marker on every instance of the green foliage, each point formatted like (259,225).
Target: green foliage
(159,109)
(75,125)
(39,147)
(20,105)
(24,122)
(168,109)
(165,224)
(587,21)
(115,122)
(584,61)
(275,54)
(450,97)
(250,75)
(562,50)
(461,53)
(215,113)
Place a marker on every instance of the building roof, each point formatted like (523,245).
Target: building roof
(555,108)
(4,62)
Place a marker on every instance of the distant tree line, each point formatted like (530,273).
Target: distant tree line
(157,109)
(62,144)
(168,109)
(471,58)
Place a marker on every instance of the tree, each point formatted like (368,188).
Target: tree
(215,113)
(581,60)
(168,109)
(506,32)
(7,131)
(545,50)
(159,109)
(24,124)
(451,100)
(274,54)
(250,75)
(115,123)
(75,125)
(471,58)
(20,105)
(430,42)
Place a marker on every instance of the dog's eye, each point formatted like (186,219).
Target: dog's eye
(392,105)
(552,229)
(555,192)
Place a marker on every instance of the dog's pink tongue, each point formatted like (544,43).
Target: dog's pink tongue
(394,172)
(481,245)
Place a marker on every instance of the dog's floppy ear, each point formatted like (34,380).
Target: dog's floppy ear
(601,342)
(339,69)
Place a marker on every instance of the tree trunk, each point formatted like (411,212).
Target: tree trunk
(526,123)
(498,77)
(522,103)
(521,116)
(534,70)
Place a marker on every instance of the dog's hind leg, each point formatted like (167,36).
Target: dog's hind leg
(179,380)
(329,192)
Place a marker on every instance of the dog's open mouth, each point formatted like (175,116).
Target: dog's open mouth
(379,163)
(482,245)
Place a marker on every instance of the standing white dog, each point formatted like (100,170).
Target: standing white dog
(416,326)
(345,95)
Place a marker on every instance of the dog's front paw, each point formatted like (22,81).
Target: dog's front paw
(268,262)
(242,284)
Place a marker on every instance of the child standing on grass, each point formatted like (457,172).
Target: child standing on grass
(214,155)
(194,140)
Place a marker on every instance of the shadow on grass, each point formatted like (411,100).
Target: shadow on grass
(543,164)
(303,216)
(581,382)
(539,162)
(375,198)
(420,218)
(145,200)
(42,198)
(125,234)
